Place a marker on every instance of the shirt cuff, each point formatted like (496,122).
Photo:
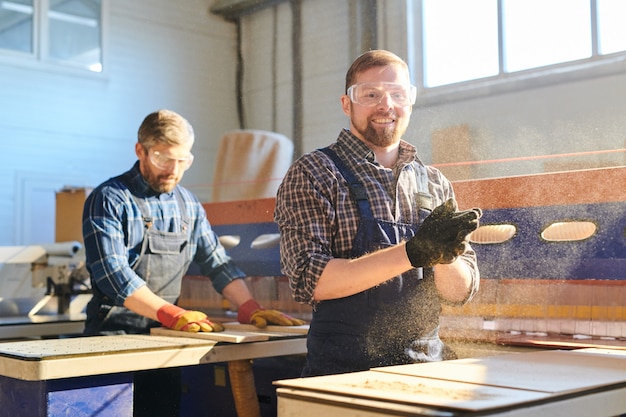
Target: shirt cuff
(224,275)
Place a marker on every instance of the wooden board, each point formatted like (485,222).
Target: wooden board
(304,329)
(231,336)
(49,349)
(469,385)
(552,371)
(406,389)
(39,360)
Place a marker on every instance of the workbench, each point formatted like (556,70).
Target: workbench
(18,327)
(93,376)
(585,382)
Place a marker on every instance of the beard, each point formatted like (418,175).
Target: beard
(380,138)
(161,183)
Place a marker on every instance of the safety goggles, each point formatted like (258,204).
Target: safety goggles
(166,162)
(371,94)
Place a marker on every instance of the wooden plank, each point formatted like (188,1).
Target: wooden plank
(551,371)
(38,360)
(230,336)
(298,402)
(549,189)
(304,329)
(260,210)
(404,389)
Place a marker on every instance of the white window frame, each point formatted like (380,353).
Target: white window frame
(39,58)
(592,67)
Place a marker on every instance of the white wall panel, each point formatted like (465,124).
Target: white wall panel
(176,54)
(268,70)
(82,128)
(580,116)
(325,30)
(326,46)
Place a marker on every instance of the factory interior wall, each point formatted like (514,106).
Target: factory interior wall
(68,128)
(565,116)
(59,128)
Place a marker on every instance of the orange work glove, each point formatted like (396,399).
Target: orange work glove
(251,312)
(177,318)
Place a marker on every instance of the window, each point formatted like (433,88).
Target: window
(450,55)
(67,32)
(483,44)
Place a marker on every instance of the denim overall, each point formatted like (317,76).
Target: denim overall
(393,323)
(162,262)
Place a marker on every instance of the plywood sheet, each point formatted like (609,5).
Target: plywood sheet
(38,360)
(296,330)
(538,190)
(91,346)
(239,333)
(604,351)
(231,336)
(414,390)
(543,371)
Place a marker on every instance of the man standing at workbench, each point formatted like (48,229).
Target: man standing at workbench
(142,230)
(371,237)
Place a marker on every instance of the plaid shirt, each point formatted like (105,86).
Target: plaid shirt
(113,231)
(318,219)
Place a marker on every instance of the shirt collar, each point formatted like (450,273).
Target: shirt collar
(354,146)
(406,153)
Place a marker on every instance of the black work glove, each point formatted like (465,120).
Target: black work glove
(442,236)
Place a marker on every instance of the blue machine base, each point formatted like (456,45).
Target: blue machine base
(102,396)
(197,391)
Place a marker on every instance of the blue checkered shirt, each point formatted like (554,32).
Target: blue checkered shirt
(113,231)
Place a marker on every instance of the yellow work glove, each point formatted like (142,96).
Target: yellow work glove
(177,318)
(251,312)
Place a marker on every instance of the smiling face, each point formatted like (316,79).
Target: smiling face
(384,124)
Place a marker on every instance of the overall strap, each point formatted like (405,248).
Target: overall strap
(143,207)
(145,211)
(147,223)
(424,198)
(422,178)
(356,188)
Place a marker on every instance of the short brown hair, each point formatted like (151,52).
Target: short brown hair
(165,126)
(371,59)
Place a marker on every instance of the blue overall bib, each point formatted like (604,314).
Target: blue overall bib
(162,263)
(393,323)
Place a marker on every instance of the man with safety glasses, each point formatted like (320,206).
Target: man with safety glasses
(141,231)
(371,238)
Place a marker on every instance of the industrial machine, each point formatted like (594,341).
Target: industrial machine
(43,290)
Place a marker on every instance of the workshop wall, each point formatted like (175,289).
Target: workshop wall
(566,116)
(61,127)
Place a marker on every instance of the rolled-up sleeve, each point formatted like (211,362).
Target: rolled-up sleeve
(305,219)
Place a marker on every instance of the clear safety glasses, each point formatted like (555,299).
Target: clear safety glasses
(371,94)
(166,162)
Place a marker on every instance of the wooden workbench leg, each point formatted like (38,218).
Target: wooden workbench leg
(244,390)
